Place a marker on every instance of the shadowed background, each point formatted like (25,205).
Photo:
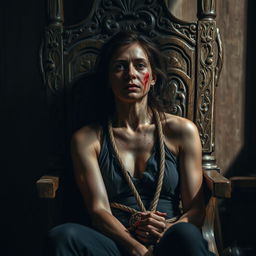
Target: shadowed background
(24,134)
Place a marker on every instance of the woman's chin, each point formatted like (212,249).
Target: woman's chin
(131,97)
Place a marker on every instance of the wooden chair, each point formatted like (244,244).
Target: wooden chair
(194,60)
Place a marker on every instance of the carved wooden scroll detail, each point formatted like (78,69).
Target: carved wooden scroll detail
(150,17)
(83,64)
(177,96)
(52,58)
(206,82)
(179,66)
(175,59)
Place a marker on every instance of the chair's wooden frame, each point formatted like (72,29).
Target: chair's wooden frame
(195,59)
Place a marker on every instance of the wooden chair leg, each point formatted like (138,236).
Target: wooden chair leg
(217,230)
(208,227)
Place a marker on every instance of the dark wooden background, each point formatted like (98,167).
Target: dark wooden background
(24,124)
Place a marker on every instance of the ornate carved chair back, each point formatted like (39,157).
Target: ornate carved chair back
(193,52)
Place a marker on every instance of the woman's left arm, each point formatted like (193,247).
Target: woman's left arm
(190,152)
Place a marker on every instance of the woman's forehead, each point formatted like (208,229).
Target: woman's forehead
(131,51)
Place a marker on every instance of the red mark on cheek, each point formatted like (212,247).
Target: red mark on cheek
(146,78)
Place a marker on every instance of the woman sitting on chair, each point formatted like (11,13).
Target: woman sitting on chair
(133,169)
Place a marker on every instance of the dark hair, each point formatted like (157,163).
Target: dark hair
(156,95)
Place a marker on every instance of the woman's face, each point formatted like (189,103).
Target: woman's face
(130,73)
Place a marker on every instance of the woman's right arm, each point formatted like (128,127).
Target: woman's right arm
(85,147)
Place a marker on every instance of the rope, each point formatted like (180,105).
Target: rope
(124,208)
(128,178)
(134,211)
(125,172)
(162,162)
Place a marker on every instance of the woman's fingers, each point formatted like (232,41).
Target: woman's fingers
(151,228)
(163,214)
(150,222)
(143,236)
(148,237)
(160,216)
(142,233)
(143,240)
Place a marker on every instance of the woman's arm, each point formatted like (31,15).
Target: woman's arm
(85,146)
(191,174)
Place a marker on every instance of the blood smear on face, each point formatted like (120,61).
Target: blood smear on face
(146,78)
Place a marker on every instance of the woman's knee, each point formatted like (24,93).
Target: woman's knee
(182,239)
(71,237)
(64,232)
(184,230)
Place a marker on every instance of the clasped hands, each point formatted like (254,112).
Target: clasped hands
(151,227)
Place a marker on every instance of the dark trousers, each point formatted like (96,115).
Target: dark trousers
(70,239)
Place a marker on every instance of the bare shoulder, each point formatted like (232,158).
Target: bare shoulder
(86,138)
(179,127)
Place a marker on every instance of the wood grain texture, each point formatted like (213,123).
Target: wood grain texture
(207,230)
(229,131)
(218,185)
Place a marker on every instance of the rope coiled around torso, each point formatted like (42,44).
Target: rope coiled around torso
(128,179)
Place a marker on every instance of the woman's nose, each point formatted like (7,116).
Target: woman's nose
(131,72)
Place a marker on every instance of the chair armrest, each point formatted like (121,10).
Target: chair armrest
(47,186)
(218,184)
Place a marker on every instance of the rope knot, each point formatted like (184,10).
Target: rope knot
(134,219)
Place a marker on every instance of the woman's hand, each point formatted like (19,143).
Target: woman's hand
(139,250)
(149,252)
(151,227)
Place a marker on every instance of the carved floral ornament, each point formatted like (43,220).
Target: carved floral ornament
(207,51)
(81,65)
(176,60)
(149,17)
(177,96)
(87,63)
(51,59)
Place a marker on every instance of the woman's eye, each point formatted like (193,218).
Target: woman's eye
(119,67)
(141,66)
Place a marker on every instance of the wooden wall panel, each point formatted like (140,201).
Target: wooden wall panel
(230,94)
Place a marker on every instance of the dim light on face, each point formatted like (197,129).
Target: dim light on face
(130,73)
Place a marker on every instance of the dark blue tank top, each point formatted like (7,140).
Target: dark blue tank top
(119,192)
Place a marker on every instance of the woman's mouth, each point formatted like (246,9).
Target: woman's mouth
(132,87)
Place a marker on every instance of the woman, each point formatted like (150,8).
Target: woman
(133,169)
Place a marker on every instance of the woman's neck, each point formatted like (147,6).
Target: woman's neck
(132,115)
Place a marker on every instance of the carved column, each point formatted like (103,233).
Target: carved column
(51,55)
(53,47)
(209,65)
